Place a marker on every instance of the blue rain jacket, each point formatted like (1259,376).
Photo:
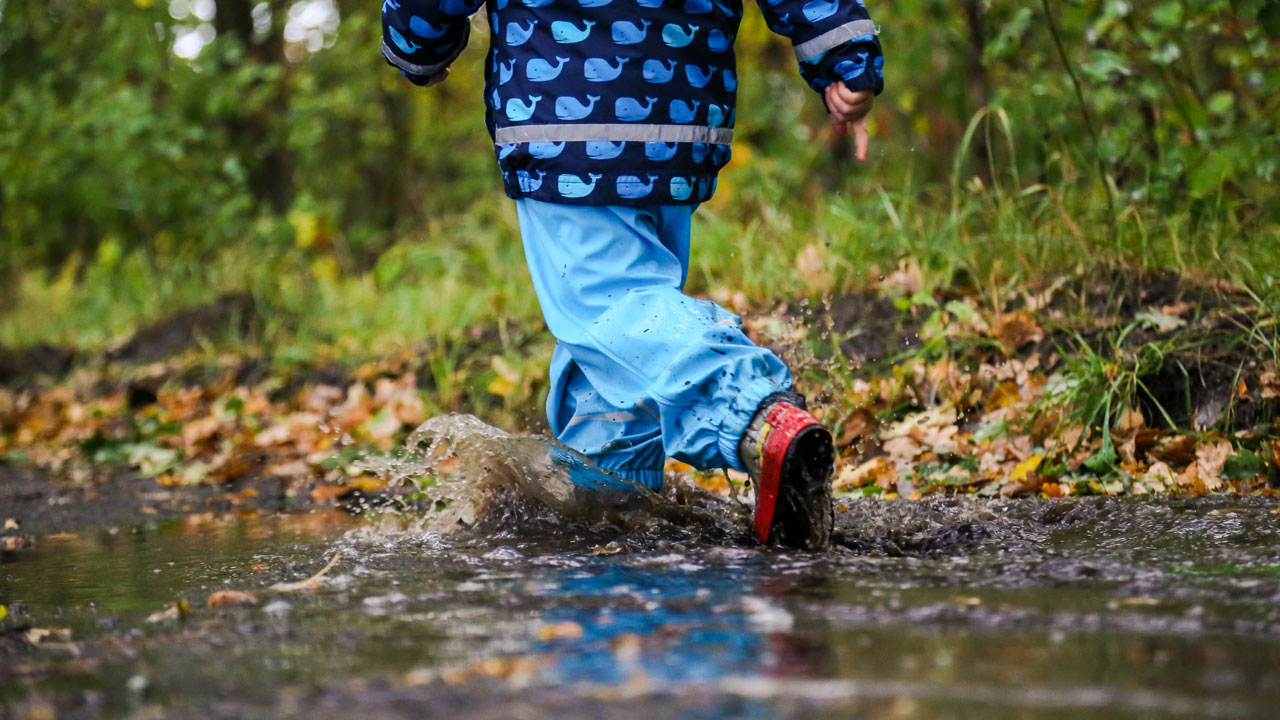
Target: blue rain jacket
(621,102)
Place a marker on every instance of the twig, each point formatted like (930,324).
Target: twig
(1088,117)
(310,583)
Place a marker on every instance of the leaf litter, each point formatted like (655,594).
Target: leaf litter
(1089,384)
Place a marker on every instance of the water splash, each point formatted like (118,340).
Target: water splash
(476,476)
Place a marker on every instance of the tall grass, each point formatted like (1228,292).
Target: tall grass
(467,268)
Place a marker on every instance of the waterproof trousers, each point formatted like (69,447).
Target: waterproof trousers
(641,371)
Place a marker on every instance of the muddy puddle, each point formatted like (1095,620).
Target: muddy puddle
(658,607)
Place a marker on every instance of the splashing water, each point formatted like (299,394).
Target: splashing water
(477,476)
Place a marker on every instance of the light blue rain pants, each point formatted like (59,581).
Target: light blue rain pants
(641,371)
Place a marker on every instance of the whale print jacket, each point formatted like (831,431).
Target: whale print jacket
(621,102)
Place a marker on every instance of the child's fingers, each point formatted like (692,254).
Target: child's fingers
(838,106)
(860,139)
(840,126)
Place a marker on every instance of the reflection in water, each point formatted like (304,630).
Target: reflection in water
(943,608)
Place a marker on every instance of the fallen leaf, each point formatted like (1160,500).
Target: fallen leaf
(906,280)
(811,262)
(1210,459)
(877,470)
(36,636)
(1026,467)
(232,598)
(1054,490)
(567,630)
(1161,322)
(1017,329)
(176,611)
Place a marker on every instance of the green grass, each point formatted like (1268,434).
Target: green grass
(468,269)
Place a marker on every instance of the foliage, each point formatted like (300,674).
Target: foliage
(278,140)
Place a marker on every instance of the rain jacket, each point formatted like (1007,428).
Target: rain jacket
(621,102)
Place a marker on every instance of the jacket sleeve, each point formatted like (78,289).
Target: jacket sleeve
(833,40)
(422,37)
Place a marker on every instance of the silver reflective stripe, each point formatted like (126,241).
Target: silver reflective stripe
(615,132)
(830,39)
(424,70)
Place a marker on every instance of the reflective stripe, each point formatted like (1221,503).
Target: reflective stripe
(423,70)
(830,39)
(616,132)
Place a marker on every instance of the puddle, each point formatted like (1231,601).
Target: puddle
(943,608)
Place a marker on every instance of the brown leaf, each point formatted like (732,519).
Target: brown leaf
(1270,381)
(876,470)
(906,280)
(232,598)
(1016,329)
(811,262)
(1175,450)
(1210,459)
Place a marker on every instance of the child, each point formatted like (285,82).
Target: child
(610,120)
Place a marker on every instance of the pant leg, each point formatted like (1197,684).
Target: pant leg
(609,281)
(625,440)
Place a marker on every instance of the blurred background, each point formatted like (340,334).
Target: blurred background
(158,154)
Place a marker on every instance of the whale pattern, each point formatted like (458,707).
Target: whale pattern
(698,78)
(649,64)
(546,150)
(539,70)
(566,32)
(599,69)
(633,188)
(518,34)
(604,150)
(659,151)
(816,10)
(528,183)
(684,112)
(656,71)
(625,32)
(676,36)
(424,29)
(505,72)
(405,45)
(718,41)
(850,69)
(572,186)
(571,108)
(629,109)
(518,110)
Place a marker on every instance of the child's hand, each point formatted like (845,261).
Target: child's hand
(848,107)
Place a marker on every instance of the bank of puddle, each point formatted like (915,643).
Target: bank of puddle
(518,598)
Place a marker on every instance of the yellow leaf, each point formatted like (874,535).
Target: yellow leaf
(4,612)
(1026,467)
(501,387)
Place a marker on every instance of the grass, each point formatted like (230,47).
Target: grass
(467,269)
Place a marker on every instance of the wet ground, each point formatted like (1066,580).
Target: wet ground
(942,608)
